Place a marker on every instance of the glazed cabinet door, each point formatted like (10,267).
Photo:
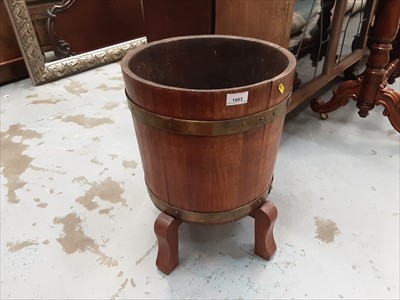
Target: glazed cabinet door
(328,39)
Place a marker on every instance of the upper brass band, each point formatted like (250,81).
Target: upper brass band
(207,128)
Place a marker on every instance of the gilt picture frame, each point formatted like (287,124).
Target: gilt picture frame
(41,71)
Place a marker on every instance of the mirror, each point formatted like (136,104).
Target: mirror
(54,48)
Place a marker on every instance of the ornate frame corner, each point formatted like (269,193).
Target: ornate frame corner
(41,71)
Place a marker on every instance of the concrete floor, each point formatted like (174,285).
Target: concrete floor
(77,223)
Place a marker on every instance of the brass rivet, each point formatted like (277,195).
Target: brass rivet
(261,119)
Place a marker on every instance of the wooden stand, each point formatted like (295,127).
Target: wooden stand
(383,65)
(166,230)
(264,220)
(205,162)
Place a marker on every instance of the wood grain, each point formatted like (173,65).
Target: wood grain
(266,20)
(189,78)
(166,230)
(265,218)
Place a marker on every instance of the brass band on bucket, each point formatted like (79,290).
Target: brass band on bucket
(209,217)
(208,128)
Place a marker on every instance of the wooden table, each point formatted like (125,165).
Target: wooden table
(383,66)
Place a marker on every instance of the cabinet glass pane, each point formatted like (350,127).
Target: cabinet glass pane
(351,37)
(310,37)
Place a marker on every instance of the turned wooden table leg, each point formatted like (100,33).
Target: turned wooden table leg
(264,219)
(380,45)
(166,230)
(383,66)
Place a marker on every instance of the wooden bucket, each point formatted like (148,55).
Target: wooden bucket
(208,113)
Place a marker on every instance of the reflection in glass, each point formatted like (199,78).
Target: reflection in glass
(309,37)
(42,71)
(355,19)
(311,33)
(70,27)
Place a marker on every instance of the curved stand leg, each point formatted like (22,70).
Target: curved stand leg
(265,217)
(390,100)
(166,230)
(347,89)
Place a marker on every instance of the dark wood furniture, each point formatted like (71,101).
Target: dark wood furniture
(169,18)
(370,89)
(12,65)
(265,20)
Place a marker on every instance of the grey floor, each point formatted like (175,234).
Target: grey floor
(77,223)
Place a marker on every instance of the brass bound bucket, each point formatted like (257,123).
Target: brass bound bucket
(208,113)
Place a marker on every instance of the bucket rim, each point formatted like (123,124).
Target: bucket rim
(128,56)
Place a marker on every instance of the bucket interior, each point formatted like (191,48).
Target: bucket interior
(208,63)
